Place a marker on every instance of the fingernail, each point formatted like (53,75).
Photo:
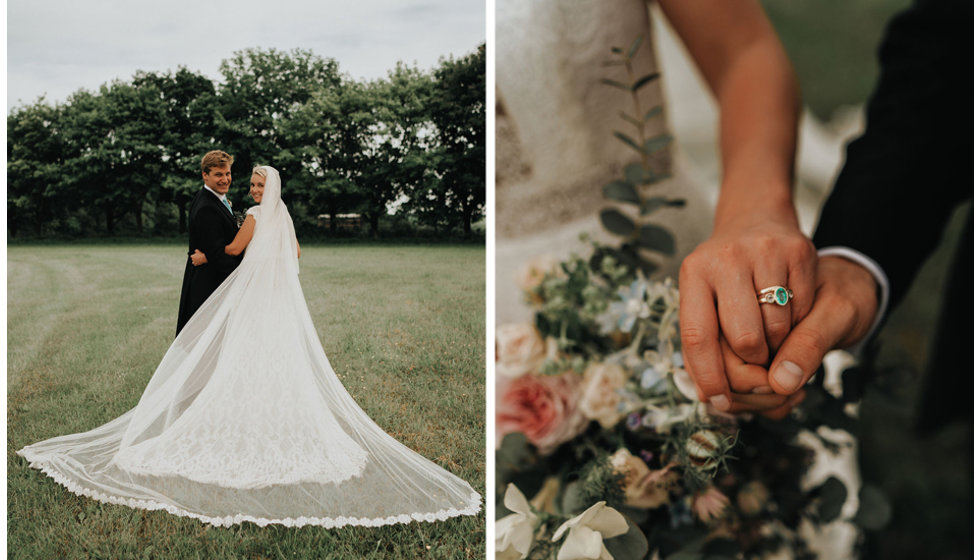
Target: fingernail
(788,375)
(721,402)
(764,390)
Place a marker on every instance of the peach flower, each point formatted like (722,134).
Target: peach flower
(644,488)
(520,349)
(542,407)
(532,274)
(600,399)
(709,504)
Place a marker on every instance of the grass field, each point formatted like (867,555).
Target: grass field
(403,327)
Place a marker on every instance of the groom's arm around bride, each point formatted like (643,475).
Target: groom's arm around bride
(211,226)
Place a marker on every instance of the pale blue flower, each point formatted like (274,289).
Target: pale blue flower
(650,377)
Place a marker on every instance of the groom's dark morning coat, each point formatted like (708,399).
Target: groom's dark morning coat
(906,174)
(895,195)
(210,226)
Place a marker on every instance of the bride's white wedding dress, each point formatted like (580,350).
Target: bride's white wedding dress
(245,420)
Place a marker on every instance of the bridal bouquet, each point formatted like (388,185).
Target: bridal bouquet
(604,450)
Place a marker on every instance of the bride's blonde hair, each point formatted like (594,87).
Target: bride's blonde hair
(260,171)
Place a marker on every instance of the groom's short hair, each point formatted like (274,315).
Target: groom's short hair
(215,158)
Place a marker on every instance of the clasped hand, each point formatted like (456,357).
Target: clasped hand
(198,258)
(747,356)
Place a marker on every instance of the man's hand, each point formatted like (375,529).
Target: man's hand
(844,309)
(198,258)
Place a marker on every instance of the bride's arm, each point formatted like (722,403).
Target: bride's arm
(242,238)
(756,242)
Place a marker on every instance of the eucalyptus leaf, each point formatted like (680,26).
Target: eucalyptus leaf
(645,80)
(833,493)
(617,222)
(628,141)
(653,112)
(655,203)
(629,119)
(621,191)
(656,238)
(635,46)
(875,511)
(615,84)
(634,173)
(628,546)
(652,178)
(514,450)
(657,143)
(571,499)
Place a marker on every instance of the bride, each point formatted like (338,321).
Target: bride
(245,420)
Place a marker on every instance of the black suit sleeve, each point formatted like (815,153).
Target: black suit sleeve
(212,238)
(904,176)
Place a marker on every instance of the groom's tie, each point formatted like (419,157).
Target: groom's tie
(227,205)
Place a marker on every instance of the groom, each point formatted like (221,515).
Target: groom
(211,226)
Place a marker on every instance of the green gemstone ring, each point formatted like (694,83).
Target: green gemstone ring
(775,294)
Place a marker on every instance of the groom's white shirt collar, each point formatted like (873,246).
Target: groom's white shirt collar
(220,196)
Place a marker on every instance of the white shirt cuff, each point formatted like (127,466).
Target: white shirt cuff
(875,269)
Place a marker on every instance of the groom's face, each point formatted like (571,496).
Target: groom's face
(218,179)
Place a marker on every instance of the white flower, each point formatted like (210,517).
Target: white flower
(515,532)
(520,349)
(662,419)
(685,384)
(586,532)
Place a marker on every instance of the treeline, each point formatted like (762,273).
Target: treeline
(404,154)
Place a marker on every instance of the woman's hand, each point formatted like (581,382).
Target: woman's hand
(756,242)
(198,258)
(719,285)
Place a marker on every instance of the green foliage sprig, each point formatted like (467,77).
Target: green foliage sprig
(637,177)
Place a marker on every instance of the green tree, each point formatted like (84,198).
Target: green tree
(454,192)
(260,90)
(34,160)
(187,133)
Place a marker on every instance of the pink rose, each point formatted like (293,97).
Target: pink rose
(520,349)
(542,407)
(600,400)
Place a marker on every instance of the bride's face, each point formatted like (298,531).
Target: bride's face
(257,187)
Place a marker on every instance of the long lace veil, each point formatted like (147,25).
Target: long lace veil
(245,420)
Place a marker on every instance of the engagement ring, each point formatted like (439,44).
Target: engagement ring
(775,294)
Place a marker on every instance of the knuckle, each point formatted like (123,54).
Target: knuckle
(747,342)
(768,244)
(810,340)
(690,266)
(694,338)
(778,328)
(801,249)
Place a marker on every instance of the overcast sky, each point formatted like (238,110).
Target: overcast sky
(55,47)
